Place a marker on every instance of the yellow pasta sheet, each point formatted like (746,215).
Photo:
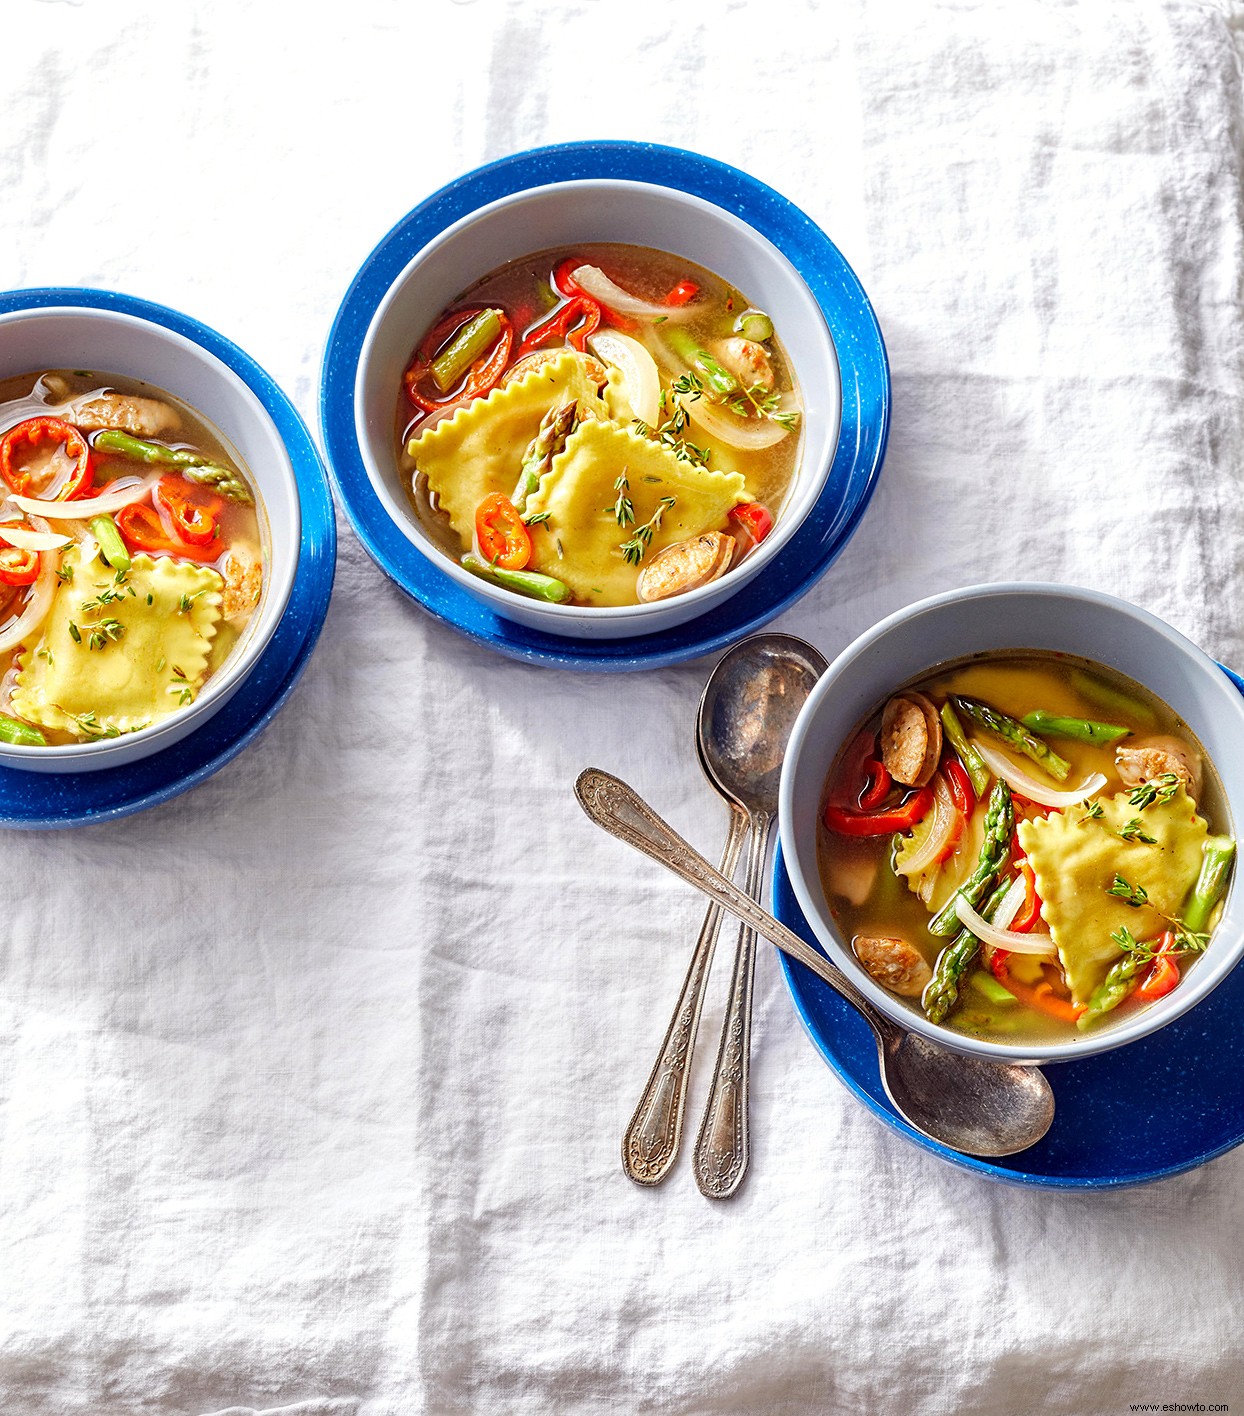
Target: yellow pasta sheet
(480,449)
(581,541)
(1076,858)
(81,680)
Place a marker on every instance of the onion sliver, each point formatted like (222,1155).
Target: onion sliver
(749,434)
(1007,939)
(33,540)
(598,285)
(1019,781)
(37,606)
(83,507)
(641,384)
(941,833)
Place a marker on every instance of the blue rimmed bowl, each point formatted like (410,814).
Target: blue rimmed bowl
(117,335)
(644,194)
(1005,618)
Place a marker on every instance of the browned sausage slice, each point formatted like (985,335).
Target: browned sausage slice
(911,739)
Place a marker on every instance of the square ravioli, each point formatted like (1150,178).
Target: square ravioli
(581,541)
(116,654)
(1075,859)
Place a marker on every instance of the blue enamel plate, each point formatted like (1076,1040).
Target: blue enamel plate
(1157,1107)
(46,799)
(857,459)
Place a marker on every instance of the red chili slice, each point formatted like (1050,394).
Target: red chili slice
(33,433)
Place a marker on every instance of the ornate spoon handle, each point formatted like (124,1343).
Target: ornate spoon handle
(721,1149)
(618,809)
(650,1145)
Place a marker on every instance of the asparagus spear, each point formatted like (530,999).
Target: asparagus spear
(191,464)
(720,381)
(1217,853)
(1115,987)
(968,755)
(111,546)
(1014,734)
(942,991)
(995,852)
(1105,695)
(22,734)
(1082,729)
(525,582)
(548,442)
(480,332)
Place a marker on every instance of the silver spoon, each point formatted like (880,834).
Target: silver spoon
(977,1107)
(747,711)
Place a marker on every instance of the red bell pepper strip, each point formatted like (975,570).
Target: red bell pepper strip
(960,785)
(845,822)
(503,539)
(484,374)
(1164,974)
(755,519)
(192,509)
(142,529)
(1030,910)
(682,293)
(1040,996)
(54,431)
(563,324)
(17,565)
(876,786)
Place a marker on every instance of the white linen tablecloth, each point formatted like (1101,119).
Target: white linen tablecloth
(312,1080)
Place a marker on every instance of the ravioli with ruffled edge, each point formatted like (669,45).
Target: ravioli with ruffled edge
(1075,858)
(581,541)
(479,449)
(116,654)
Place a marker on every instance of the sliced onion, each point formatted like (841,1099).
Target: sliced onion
(749,434)
(1008,939)
(641,384)
(1011,904)
(39,603)
(597,284)
(1019,781)
(83,507)
(941,833)
(26,540)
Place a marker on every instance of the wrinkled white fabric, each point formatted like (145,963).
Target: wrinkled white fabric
(312,1080)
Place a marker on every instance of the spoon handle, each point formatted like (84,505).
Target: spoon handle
(618,809)
(722,1147)
(650,1145)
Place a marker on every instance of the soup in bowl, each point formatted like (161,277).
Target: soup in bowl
(1023,846)
(149,533)
(601,407)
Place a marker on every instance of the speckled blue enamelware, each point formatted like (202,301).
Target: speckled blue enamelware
(41,800)
(1161,1105)
(826,530)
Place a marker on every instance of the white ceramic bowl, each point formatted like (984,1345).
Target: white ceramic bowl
(917,640)
(114,342)
(563,214)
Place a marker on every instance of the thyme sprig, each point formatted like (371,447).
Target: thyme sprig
(1187,941)
(633,550)
(1160,789)
(623,508)
(1132,832)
